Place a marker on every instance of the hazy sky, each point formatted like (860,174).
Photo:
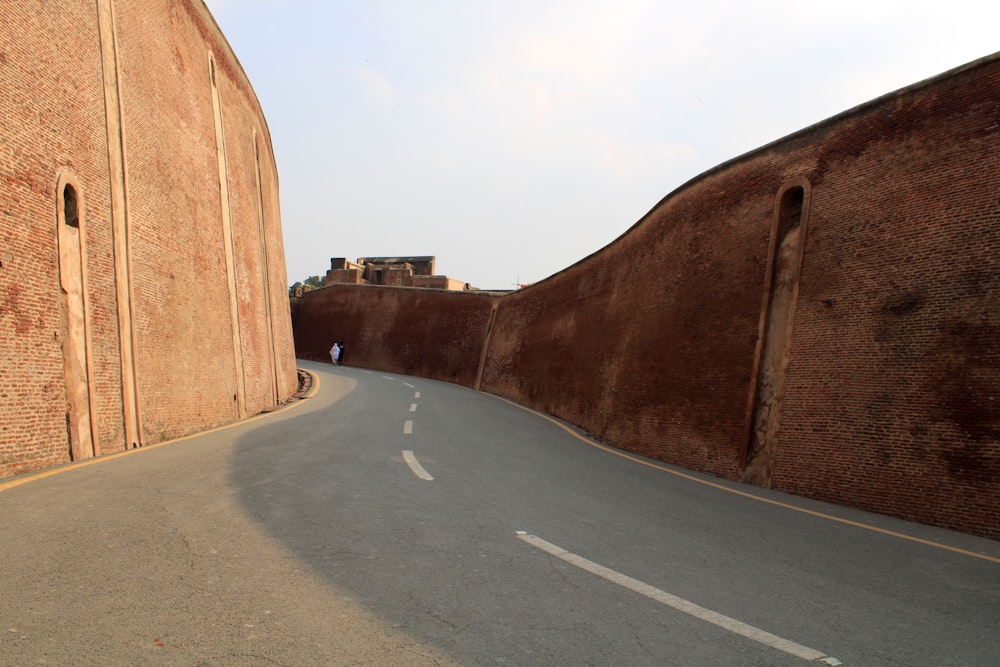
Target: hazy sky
(512,138)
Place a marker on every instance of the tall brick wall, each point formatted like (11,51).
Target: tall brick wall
(648,345)
(52,118)
(894,383)
(891,397)
(53,111)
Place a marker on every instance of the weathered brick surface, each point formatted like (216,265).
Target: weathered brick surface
(431,333)
(892,397)
(52,116)
(894,382)
(52,110)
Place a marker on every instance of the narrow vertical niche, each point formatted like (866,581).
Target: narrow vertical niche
(71,282)
(265,272)
(782,293)
(240,399)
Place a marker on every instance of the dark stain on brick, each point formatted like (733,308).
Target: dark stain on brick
(23,322)
(967,385)
(905,305)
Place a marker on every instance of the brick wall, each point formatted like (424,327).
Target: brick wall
(53,114)
(892,392)
(430,333)
(894,382)
(649,344)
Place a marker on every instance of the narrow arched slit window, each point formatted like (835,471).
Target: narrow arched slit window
(71,214)
(791,210)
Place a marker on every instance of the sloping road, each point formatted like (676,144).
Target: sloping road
(394,520)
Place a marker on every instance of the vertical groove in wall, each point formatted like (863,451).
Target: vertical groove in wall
(119,221)
(486,345)
(227,236)
(87,328)
(265,273)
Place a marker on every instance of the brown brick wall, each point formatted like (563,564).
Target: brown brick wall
(430,333)
(53,114)
(892,397)
(648,345)
(894,383)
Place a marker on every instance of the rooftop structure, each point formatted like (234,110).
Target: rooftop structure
(417,271)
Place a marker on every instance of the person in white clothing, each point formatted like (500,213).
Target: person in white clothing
(335,353)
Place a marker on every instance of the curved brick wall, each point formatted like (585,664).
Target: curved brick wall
(430,333)
(836,292)
(183,322)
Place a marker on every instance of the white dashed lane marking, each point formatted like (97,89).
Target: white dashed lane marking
(415,466)
(680,604)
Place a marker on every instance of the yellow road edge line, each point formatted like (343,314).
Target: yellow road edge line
(51,472)
(625,455)
(315,386)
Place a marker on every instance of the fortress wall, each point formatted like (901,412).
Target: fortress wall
(435,334)
(283,349)
(175,229)
(893,395)
(893,365)
(892,398)
(51,122)
(266,322)
(192,358)
(648,344)
(841,345)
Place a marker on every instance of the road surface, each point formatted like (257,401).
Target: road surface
(391,520)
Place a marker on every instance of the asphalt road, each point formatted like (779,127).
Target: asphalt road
(398,521)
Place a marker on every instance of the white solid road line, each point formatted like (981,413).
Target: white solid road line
(388,378)
(680,604)
(415,466)
(413,407)
(407,384)
(408,427)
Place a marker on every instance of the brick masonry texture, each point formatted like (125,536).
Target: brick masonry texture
(52,110)
(430,333)
(892,387)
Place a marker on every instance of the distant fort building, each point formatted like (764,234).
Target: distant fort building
(390,272)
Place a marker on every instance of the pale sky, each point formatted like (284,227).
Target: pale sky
(512,138)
